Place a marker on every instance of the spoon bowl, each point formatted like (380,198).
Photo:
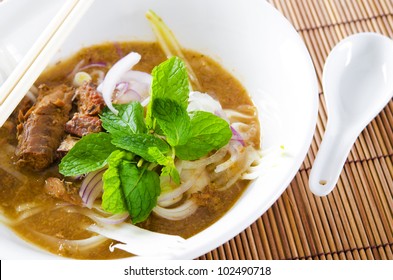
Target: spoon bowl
(358,83)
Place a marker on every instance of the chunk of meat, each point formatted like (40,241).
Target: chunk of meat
(90,102)
(42,129)
(63,190)
(66,145)
(82,125)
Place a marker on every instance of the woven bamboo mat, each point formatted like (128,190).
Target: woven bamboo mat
(356,220)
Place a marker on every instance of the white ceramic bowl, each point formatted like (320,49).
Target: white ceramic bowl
(249,38)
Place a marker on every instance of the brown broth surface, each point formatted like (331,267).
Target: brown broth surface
(27,189)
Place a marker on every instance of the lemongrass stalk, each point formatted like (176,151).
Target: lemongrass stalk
(169,44)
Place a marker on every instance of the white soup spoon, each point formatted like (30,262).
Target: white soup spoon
(358,83)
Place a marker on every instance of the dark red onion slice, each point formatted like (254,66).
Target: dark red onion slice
(237,137)
(92,65)
(91,187)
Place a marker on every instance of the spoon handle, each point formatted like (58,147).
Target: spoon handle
(330,159)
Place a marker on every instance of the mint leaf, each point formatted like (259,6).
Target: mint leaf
(141,189)
(168,162)
(172,119)
(129,120)
(113,198)
(170,80)
(89,154)
(170,170)
(208,133)
(139,144)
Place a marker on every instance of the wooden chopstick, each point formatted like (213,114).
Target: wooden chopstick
(39,55)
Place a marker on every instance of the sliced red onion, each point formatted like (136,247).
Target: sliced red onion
(85,184)
(91,187)
(121,89)
(122,86)
(94,193)
(132,86)
(236,136)
(119,51)
(76,68)
(198,101)
(141,88)
(137,87)
(137,76)
(114,76)
(127,97)
(92,65)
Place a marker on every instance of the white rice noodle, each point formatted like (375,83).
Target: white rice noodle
(177,213)
(194,181)
(26,206)
(255,170)
(167,186)
(246,158)
(252,172)
(170,202)
(16,174)
(268,158)
(201,163)
(114,75)
(200,184)
(28,212)
(100,217)
(30,209)
(187,174)
(73,245)
(6,165)
(185,186)
(243,113)
(236,114)
(139,241)
(234,150)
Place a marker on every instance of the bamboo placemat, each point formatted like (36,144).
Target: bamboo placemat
(356,220)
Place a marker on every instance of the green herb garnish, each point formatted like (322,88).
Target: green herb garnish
(89,154)
(138,148)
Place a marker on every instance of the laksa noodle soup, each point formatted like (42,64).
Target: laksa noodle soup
(126,149)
